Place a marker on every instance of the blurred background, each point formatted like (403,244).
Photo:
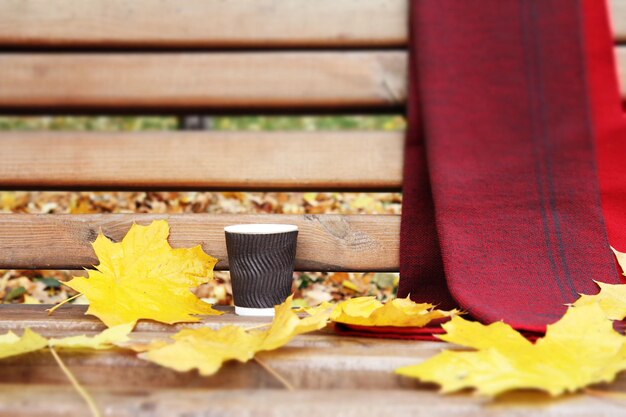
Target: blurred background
(311,288)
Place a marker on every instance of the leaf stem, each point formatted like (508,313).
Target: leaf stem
(606,394)
(260,326)
(275,374)
(79,388)
(53,309)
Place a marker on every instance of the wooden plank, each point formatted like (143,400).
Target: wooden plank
(31,400)
(618,19)
(303,362)
(211,81)
(621,68)
(71,319)
(202,160)
(331,375)
(375,79)
(344,363)
(220,81)
(215,23)
(325,242)
(207,23)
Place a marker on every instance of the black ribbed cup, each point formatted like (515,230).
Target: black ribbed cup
(261,259)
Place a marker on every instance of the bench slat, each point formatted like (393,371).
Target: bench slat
(321,360)
(215,23)
(71,319)
(34,400)
(375,79)
(618,19)
(330,374)
(621,68)
(206,23)
(220,81)
(202,160)
(325,242)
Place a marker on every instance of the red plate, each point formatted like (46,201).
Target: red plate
(391,332)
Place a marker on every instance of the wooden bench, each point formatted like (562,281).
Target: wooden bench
(215,57)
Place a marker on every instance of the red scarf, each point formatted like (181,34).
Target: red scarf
(515,163)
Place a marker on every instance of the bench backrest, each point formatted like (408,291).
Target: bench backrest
(214,57)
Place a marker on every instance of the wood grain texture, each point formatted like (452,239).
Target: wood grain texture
(621,67)
(215,23)
(21,400)
(202,160)
(331,374)
(207,23)
(219,81)
(325,242)
(321,360)
(375,79)
(71,319)
(618,19)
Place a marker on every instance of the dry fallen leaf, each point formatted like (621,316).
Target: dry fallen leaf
(611,298)
(142,277)
(351,286)
(206,349)
(287,325)
(580,349)
(400,312)
(12,345)
(28,299)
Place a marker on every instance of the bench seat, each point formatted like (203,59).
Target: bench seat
(331,375)
(232,57)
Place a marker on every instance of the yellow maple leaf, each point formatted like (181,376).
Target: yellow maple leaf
(13,345)
(400,312)
(611,298)
(206,349)
(621,259)
(143,277)
(580,349)
(287,325)
(104,340)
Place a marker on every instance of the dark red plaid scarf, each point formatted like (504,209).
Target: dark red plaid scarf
(515,163)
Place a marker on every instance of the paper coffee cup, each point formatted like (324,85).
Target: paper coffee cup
(261,258)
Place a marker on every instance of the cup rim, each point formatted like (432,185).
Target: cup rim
(260,228)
